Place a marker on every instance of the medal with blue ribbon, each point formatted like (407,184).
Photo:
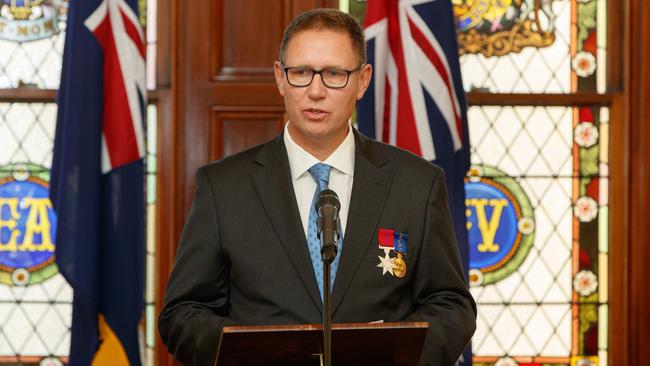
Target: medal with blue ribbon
(399,265)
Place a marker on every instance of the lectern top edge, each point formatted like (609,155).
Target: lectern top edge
(308,327)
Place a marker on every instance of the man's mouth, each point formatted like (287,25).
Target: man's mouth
(315,113)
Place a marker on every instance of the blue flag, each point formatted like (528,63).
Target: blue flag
(97,181)
(415,100)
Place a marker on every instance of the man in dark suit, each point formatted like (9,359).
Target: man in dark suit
(248,253)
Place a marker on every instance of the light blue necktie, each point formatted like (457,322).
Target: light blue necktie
(321,174)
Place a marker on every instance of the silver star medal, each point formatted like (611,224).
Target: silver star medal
(386,263)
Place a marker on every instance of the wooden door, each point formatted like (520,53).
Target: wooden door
(216,95)
(222,99)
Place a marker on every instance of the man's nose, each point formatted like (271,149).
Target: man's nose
(317,89)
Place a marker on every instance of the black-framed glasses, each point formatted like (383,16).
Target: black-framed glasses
(332,77)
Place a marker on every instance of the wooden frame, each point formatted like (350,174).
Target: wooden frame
(629,194)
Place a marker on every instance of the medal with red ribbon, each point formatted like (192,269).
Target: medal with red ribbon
(391,240)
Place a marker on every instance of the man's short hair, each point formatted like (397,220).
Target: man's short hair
(326,19)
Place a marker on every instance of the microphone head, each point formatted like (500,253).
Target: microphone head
(328,197)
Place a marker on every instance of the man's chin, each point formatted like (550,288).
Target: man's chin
(311,129)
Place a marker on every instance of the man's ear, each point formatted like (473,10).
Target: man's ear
(365,74)
(279,76)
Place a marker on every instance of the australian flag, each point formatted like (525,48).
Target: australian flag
(416,99)
(97,179)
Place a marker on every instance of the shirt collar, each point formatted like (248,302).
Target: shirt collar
(342,159)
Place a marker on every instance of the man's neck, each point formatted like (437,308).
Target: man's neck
(321,150)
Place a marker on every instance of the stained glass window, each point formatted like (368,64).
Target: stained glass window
(537,192)
(549,304)
(532,46)
(35,300)
(31,44)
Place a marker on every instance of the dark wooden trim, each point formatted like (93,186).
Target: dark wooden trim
(216,35)
(257,93)
(27,360)
(163,44)
(170,177)
(262,108)
(27,95)
(473,98)
(154,95)
(476,98)
(637,80)
(166,179)
(629,325)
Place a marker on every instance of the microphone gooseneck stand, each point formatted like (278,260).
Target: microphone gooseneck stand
(327,306)
(327,207)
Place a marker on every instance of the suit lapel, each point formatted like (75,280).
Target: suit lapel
(273,184)
(369,191)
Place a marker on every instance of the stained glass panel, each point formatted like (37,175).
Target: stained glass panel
(537,193)
(35,301)
(547,305)
(532,46)
(31,44)
(504,137)
(541,67)
(27,133)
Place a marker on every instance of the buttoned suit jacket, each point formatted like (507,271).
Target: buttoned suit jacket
(243,256)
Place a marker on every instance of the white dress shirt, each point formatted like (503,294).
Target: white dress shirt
(341,175)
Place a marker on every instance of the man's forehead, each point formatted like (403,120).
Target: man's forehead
(304,47)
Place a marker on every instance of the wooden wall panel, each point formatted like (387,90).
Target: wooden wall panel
(227,53)
(233,132)
(245,35)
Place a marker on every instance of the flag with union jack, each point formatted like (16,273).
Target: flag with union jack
(416,100)
(97,179)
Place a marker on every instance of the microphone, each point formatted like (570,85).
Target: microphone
(328,206)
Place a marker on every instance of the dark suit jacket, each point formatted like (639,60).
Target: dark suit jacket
(243,257)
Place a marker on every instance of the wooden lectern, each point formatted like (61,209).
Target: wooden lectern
(352,344)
